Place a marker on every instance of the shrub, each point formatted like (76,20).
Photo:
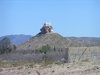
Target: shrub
(15,64)
(38,73)
(1,69)
(53,71)
(45,48)
(85,60)
(48,61)
(58,63)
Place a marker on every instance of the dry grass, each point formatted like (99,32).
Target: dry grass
(78,68)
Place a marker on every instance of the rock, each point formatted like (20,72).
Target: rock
(47,28)
(63,60)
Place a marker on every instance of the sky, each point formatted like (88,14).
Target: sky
(78,18)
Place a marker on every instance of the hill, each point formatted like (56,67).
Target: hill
(47,36)
(17,39)
(53,39)
(86,41)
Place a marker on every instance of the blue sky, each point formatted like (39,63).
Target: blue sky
(68,17)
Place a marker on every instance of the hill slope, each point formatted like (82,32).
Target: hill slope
(52,39)
(87,41)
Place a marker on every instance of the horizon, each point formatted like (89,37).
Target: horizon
(69,18)
(35,35)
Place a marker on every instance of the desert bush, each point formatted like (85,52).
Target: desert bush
(15,64)
(48,61)
(4,64)
(33,51)
(85,60)
(53,71)
(30,64)
(38,73)
(1,69)
(20,67)
(58,63)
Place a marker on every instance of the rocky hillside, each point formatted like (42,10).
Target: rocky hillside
(46,36)
(86,41)
(53,39)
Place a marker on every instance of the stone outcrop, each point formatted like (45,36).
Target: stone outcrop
(47,28)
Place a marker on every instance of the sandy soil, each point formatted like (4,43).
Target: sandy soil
(82,68)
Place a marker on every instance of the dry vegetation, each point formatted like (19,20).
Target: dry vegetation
(49,67)
(54,68)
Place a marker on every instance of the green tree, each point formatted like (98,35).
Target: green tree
(5,45)
(44,50)
(14,47)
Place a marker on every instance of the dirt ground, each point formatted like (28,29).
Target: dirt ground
(76,68)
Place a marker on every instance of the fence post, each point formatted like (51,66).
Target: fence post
(67,54)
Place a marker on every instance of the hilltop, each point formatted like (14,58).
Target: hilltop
(47,36)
